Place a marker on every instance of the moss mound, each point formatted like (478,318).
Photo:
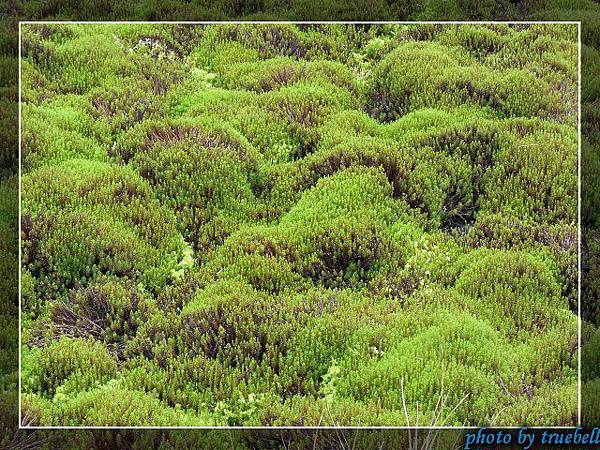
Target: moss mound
(303,225)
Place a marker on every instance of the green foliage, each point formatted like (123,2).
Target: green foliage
(125,103)
(36,87)
(427,74)
(589,404)
(303,107)
(459,352)
(82,184)
(589,358)
(535,164)
(272,74)
(527,409)
(85,62)
(71,248)
(339,226)
(228,323)
(299,224)
(590,163)
(522,284)
(590,248)
(83,219)
(65,359)
(107,310)
(109,405)
(202,169)
(61,133)
(261,256)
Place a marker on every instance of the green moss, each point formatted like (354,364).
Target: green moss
(111,405)
(57,362)
(303,107)
(274,73)
(199,168)
(298,224)
(119,191)
(543,162)
(417,75)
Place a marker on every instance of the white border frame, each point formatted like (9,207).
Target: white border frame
(379,427)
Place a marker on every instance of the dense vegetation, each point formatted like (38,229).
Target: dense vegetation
(585,10)
(299,225)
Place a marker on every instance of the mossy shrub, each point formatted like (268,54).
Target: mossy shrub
(303,107)
(98,59)
(339,226)
(260,255)
(449,79)
(457,351)
(396,78)
(480,41)
(124,103)
(526,285)
(70,248)
(271,74)
(54,135)
(241,110)
(535,176)
(200,168)
(177,39)
(108,310)
(344,324)
(298,224)
(563,399)
(239,326)
(267,40)
(117,190)
(35,86)
(508,232)
(218,55)
(58,361)
(87,61)
(112,405)
(443,191)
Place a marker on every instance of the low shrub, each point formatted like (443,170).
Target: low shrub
(106,310)
(339,226)
(303,107)
(534,177)
(272,74)
(116,190)
(71,248)
(457,352)
(54,135)
(125,103)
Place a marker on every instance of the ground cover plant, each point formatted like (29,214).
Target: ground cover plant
(299,224)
